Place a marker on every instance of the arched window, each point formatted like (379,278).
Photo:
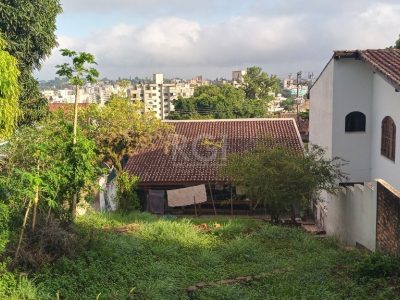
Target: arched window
(355,121)
(388,139)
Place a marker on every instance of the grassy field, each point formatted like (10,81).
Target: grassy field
(156,258)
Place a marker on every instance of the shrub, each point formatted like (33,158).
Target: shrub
(377,266)
(4,230)
(50,241)
(127,197)
(282,178)
(14,288)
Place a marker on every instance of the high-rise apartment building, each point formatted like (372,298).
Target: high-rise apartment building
(238,77)
(159,96)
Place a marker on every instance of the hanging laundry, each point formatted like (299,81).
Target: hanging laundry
(187,196)
(155,201)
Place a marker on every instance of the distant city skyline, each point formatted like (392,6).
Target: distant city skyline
(213,38)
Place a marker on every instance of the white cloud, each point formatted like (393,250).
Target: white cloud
(376,26)
(280,43)
(178,43)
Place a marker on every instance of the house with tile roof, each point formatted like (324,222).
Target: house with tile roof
(193,153)
(354,111)
(355,114)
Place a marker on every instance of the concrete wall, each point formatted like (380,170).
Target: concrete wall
(386,103)
(351,215)
(321,113)
(352,91)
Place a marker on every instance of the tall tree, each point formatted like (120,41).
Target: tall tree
(29,29)
(9,92)
(258,84)
(78,73)
(120,128)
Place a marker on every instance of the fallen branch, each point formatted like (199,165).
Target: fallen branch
(242,279)
(124,229)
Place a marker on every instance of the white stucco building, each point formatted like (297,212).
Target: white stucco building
(158,96)
(354,112)
(238,78)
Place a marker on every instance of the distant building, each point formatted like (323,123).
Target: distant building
(238,77)
(198,81)
(158,96)
(290,86)
(158,78)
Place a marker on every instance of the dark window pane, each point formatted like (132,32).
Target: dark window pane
(355,121)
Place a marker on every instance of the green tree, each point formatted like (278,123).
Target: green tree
(4,229)
(283,179)
(78,73)
(9,92)
(43,169)
(29,30)
(288,104)
(217,102)
(258,84)
(120,128)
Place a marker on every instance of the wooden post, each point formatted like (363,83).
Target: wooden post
(195,209)
(231,202)
(212,199)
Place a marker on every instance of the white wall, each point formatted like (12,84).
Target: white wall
(386,103)
(321,113)
(351,215)
(352,91)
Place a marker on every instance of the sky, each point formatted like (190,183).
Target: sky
(185,38)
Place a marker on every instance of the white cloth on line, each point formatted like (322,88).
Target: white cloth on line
(187,196)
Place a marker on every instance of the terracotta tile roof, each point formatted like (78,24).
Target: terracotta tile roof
(384,61)
(65,106)
(303,125)
(194,152)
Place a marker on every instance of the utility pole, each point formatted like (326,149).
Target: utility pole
(298,100)
(298,83)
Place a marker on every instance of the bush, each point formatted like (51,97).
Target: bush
(4,230)
(14,288)
(50,241)
(127,197)
(282,178)
(377,266)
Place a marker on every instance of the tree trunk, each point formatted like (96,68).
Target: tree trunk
(76,113)
(48,216)
(21,236)
(35,205)
(73,205)
(75,196)
(35,202)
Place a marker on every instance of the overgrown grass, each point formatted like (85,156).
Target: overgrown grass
(14,287)
(157,258)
